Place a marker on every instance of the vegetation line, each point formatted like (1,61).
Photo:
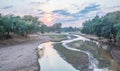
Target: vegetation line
(107,26)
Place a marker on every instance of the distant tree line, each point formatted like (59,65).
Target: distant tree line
(16,25)
(57,27)
(22,26)
(54,28)
(70,29)
(107,26)
(10,24)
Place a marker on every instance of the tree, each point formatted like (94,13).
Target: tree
(34,23)
(10,24)
(43,28)
(57,27)
(106,26)
(117,29)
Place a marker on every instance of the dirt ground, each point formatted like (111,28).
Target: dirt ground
(21,57)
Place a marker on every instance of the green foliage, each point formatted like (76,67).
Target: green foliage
(57,27)
(1,30)
(44,28)
(17,25)
(117,29)
(107,26)
(10,24)
(90,26)
(54,28)
(70,29)
(58,37)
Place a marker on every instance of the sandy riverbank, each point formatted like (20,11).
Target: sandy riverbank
(21,56)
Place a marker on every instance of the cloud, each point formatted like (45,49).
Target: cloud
(37,3)
(7,7)
(88,9)
(75,19)
(40,12)
(64,11)
(80,13)
(63,16)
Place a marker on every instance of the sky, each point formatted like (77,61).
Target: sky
(68,12)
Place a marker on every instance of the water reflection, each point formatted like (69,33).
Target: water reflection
(51,61)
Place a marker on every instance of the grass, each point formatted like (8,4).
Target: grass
(77,59)
(92,48)
(76,44)
(57,37)
(86,46)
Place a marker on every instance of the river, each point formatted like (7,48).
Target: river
(50,60)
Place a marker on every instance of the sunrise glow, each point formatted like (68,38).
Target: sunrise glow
(48,19)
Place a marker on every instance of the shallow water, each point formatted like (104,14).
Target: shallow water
(93,63)
(51,60)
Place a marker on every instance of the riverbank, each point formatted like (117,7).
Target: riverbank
(77,59)
(16,40)
(113,50)
(92,48)
(102,40)
(20,54)
(56,37)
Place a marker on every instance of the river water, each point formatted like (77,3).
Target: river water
(50,60)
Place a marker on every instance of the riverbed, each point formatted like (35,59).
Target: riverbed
(52,60)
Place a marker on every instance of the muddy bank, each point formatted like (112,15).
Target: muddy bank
(102,40)
(21,57)
(85,45)
(113,50)
(78,60)
(91,47)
